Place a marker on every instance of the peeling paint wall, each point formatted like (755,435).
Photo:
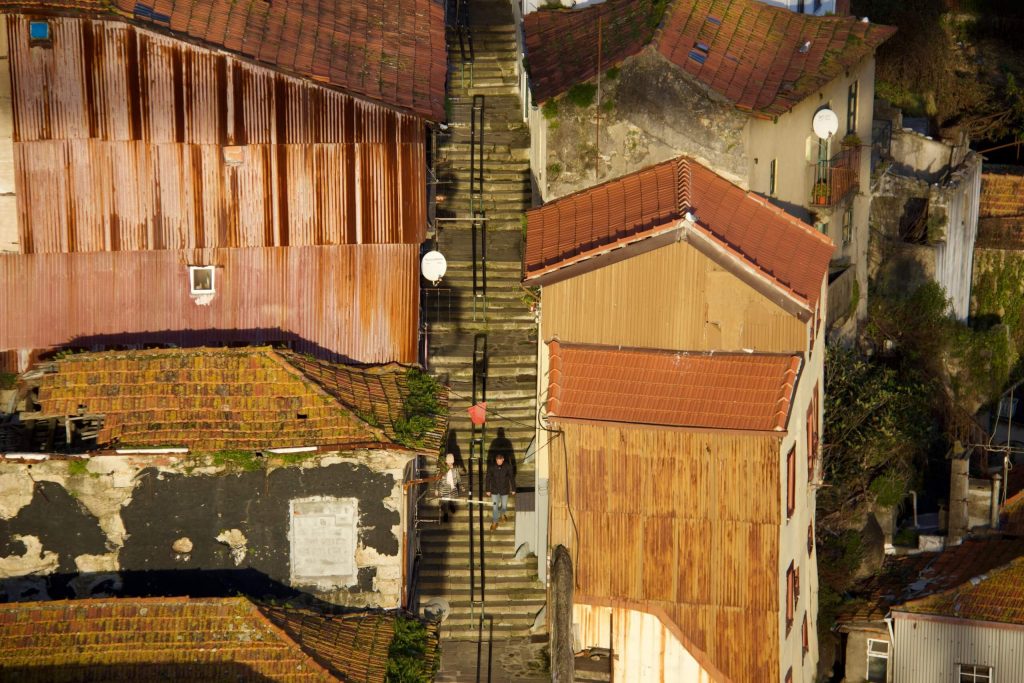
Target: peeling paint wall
(167,525)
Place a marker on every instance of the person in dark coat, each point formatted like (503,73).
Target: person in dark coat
(500,484)
(502,444)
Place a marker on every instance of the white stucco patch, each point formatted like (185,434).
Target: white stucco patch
(35,560)
(323,533)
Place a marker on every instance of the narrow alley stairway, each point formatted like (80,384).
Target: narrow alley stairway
(485,314)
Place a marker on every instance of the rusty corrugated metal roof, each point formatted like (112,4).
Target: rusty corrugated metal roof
(747,229)
(177,146)
(390,52)
(355,302)
(745,391)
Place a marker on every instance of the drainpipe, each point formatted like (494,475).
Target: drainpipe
(994,507)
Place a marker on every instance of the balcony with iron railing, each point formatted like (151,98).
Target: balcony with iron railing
(836,178)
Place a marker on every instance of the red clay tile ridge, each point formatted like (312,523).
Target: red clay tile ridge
(782,257)
(394,53)
(660,388)
(763,59)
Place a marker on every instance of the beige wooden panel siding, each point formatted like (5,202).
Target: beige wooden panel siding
(670,298)
(683,521)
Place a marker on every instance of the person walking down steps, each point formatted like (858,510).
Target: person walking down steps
(449,486)
(501,483)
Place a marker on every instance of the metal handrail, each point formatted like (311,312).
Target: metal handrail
(476,192)
(476,448)
(835,178)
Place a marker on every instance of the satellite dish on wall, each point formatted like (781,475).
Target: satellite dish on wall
(825,124)
(433,266)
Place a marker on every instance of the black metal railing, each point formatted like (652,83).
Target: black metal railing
(462,30)
(836,178)
(476,201)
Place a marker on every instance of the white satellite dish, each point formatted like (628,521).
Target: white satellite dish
(825,123)
(433,266)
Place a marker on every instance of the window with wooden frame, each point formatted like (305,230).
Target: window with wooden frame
(851,107)
(773,176)
(810,539)
(804,640)
(848,226)
(812,437)
(789,675)
(791,482)
(796,586)
(790,600)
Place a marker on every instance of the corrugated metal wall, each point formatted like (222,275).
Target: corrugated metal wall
(353,302)
(928,651)
(120,136)
(645,649)
(659,523)
(624,304)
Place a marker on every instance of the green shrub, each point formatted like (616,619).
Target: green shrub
(550,109)
(8,380)
(582,95)
(407,654)
(612,73)
(246,461)
(419,409)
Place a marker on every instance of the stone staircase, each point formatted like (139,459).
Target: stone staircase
(457,315)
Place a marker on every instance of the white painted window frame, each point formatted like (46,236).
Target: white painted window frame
(192,280)
(989,675)
(878,655)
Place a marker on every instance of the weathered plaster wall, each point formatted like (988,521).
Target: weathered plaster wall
(649,113)
(948,257)
(140,526)
(857,653)
(8,205)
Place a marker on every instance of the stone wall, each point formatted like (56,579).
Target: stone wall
(164,525)
(647,113)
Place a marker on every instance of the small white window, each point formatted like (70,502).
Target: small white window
(201,279)
(878,660)
(972,673)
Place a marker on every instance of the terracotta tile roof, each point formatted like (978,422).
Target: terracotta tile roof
(996,595)
(1001,211)
(189,639)
(754,233)
(762,58)
(561,42)
(913,577)
(669,388)
(377,394)
(214,399)
(390,52)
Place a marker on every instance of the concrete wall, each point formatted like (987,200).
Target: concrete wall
(929,650)
(958,198)
(791,140)
(8,203)
(165,525)
(857,654)
(793,531)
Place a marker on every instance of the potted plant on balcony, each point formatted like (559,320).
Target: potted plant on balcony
(820,193)
(851,140)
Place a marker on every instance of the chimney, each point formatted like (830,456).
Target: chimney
(959,482)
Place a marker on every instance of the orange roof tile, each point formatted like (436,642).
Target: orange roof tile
(1001,211)
(670,388)
(753,233)
(391,52)
(913,577)
(996,595)
(190,639)
(561,42)
(219,399)
(762,58)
